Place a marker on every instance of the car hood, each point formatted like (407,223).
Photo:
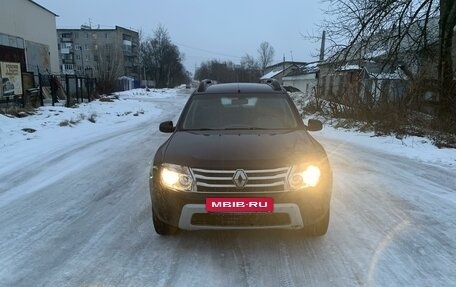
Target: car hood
(247,150)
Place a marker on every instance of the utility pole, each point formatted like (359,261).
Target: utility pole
(322,48)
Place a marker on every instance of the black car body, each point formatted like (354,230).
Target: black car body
(240,142)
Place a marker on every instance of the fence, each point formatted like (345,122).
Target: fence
(71,88)
(52,88)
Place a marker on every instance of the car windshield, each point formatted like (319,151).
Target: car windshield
(233,112)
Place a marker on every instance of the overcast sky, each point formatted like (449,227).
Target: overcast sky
(204,29)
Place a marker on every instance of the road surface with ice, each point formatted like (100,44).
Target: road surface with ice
(80,215)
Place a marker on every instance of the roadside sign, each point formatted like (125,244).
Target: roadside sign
(11,76)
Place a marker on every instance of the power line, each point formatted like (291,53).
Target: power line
(208,51)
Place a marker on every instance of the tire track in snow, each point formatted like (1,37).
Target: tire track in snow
(286,278)
(242,262)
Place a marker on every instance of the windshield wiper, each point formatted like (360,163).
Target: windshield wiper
(244,128)
(201,129)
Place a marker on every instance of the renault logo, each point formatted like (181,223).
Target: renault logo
(240,178)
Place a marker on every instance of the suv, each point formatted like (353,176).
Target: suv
(240,157)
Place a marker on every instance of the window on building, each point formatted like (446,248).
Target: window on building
(87,35)
(66,35)
(78,57)
(106,35)
(12,41)
(86,47)
(127,48)
(66,45)
(3,39)
(87,57)
(68,67)
(77,47)
(76,35)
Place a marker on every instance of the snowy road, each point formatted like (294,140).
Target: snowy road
(393,223)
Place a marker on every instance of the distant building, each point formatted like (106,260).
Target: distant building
(280,70)
(27,36)
(360,81)
(85,51)
(305,79)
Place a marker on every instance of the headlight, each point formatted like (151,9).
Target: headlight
(303,176)
(176,177)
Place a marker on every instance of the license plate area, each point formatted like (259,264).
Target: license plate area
(239,204)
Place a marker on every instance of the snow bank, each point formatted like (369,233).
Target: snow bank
(418,148)
(51,128)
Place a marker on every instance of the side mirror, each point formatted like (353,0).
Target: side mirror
(167,127)
(314,125)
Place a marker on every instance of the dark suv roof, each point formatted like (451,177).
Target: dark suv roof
(241,88)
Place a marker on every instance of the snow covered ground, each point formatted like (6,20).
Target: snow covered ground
(75,209)
(417,148)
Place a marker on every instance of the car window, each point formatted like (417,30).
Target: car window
(239,112)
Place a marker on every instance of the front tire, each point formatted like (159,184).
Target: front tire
(318,229)
(161,227)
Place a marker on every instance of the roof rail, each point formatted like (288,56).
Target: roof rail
(275,85)
(204,84)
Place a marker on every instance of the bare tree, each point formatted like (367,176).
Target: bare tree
(266,55)
(400,33)
(446,74)
(141,66)
(248,62)
(109,63)
(249,70)
(163,60)
(227,72)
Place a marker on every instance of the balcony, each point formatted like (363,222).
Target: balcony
(67,61)
(68,72)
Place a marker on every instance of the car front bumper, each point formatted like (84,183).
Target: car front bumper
(292,210)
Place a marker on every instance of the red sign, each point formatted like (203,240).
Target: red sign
(240,204)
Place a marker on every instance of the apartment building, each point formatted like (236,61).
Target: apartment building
(85,51)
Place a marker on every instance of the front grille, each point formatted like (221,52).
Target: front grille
(240,220)
(265,180)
